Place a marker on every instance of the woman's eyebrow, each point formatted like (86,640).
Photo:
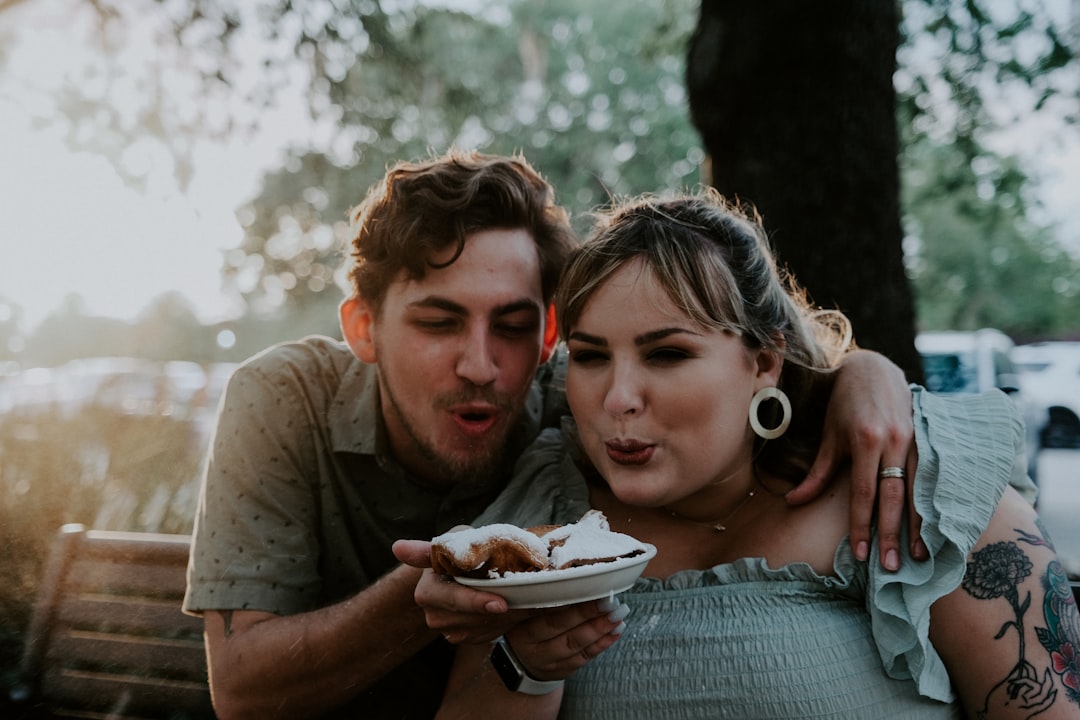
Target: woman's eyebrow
(657,335)
(643,339)
(587,338)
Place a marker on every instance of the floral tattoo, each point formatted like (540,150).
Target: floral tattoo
(997,571)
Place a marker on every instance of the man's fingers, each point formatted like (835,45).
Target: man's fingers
(416,553)
(891,493)
(864,496)
(918,546)
(440,596)
(820,475)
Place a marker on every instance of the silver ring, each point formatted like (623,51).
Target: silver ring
(892,472)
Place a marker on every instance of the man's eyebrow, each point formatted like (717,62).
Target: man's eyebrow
(439,303)
(517,306)
(436,302)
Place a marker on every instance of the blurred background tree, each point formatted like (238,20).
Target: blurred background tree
(598,101)
(796,106)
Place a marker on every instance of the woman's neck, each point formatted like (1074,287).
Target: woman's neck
(765,526)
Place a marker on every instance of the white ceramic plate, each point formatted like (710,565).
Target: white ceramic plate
(551,588)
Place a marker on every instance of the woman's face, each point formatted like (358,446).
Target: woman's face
(661,404)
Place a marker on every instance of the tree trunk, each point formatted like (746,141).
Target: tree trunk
(796,108)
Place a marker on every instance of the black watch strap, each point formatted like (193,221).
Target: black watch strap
(513,673)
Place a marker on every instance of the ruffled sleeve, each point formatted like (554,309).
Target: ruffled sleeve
(970,449)
(547,487)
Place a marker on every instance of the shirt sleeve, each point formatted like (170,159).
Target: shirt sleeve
(255,544)
(547,487)
(970,448)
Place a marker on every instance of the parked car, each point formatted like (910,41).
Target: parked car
(974,362)
(1051,376)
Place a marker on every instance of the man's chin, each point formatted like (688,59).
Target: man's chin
(471,471)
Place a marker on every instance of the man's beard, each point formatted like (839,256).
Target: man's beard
(472,468)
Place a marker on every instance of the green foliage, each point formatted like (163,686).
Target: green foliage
(593,98)
(976,255)
(973,256)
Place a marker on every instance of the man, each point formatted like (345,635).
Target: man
(326,453)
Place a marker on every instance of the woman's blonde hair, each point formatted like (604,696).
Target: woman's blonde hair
(713,259)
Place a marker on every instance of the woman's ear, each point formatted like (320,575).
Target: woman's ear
(357,327)
(551,335)
(769,364)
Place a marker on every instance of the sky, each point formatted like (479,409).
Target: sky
(70,223)
(72,226)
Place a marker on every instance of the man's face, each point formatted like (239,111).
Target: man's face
(457,352)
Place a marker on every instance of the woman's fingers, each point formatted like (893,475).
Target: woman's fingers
(554,644)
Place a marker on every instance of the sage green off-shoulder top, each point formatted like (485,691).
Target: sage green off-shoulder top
(743,640)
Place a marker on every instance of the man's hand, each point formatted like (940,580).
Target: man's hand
(460,613)
(869,420)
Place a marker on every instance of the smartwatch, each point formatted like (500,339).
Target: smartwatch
(513,673)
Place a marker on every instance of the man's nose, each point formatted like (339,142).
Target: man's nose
(476,361)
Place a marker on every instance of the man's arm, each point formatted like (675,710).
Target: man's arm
(269,666)
(869,420)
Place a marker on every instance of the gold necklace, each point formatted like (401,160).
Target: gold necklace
(721,524)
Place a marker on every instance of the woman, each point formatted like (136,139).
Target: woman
(697,380)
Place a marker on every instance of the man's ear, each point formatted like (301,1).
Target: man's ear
(551,335)
(357,323)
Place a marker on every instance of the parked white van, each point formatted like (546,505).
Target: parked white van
(974,362)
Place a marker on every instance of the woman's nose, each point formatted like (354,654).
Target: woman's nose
(623,396)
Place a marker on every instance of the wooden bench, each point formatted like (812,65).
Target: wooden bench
(107,638)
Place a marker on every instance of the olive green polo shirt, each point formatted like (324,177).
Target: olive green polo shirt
(301,499)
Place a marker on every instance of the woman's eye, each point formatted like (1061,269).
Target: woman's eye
(582,357)
(667,355)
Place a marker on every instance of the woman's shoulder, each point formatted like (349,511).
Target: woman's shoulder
(809,533)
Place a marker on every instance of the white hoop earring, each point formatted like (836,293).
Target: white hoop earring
(764,394)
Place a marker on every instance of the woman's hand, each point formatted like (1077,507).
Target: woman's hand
(869,420)
(555,643)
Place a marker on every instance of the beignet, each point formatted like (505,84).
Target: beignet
(494,550)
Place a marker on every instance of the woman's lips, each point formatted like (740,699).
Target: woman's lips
(629,452)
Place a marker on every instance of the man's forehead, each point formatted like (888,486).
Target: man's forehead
(497,271)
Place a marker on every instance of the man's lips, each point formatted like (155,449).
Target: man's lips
(629,452)
(475,420)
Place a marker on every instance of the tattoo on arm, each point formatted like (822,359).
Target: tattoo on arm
(996,571)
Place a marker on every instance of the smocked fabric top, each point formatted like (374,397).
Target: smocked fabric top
(743,640)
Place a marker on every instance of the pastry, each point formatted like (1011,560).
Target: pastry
(478,552)
(494,550)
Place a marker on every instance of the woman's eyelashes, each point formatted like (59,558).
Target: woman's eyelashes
(667,355)
(587,356)
(664,355)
